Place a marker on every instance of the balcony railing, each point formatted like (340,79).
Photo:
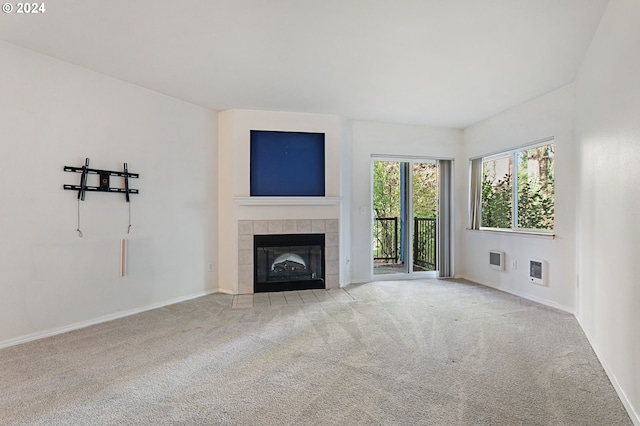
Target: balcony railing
(385,231)
(387,248)
(424,242)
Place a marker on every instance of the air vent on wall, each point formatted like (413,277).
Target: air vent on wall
(537,271)
(496,260)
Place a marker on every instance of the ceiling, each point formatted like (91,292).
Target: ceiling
(444,63)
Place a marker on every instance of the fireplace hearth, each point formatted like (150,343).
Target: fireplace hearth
(286,262)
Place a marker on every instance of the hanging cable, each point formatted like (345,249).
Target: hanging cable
(78,228)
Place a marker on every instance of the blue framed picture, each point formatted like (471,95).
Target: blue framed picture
(287,164)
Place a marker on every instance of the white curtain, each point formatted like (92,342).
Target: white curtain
(475,193)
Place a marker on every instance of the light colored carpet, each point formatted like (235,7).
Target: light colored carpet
(394,353)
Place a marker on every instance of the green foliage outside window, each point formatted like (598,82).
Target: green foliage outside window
(386,199)
(535,190)
(425,188)
(497,200)
(386,189)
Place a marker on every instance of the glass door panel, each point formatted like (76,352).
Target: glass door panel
(424,203)
(387,224)
(405,205)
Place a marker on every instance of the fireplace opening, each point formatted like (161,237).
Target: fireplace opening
(287,262)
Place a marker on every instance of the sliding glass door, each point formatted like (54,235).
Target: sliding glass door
(388,222)
(405,223)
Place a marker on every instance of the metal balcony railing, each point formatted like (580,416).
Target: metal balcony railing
(385,232)
(424,242)
(386,241)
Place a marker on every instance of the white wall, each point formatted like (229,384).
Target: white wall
(371,138)
(549,115)
(608,123)
(54,114)
(346,159)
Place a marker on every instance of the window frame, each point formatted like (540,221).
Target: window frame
(513,154)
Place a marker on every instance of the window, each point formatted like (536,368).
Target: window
(497,192)
(514,189)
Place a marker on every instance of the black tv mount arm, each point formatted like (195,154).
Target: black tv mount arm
(104,180)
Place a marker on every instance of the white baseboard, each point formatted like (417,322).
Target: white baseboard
(59,330)
(533,298)
(633,414)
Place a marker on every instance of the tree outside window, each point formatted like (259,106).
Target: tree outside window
(518,189)
(497,193)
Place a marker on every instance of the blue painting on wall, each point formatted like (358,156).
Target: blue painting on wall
(287,164)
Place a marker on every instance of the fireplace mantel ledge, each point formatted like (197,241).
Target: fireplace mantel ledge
(287,201)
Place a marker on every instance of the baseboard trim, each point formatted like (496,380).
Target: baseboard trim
(536,299)
(633,414)
(64,329)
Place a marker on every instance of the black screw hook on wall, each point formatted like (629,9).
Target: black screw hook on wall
(104,185)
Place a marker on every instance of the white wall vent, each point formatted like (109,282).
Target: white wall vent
(537,271)
(496,260)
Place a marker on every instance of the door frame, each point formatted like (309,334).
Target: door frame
(408,228)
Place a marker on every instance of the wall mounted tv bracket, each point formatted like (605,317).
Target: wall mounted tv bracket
(104,180)
(103,185)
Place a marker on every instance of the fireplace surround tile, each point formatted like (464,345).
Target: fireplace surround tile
(332,281)
(317,226)
(331,239)
(248,228)
(245,227)
(245,242)
(245,257)
(245,279)
(331,267)
(304,226)
(260,227)
(330,252)
(275,227)
(289,226)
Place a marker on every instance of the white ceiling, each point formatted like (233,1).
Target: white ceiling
(435,62)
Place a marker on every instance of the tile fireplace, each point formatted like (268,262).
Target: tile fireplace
(321,270)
